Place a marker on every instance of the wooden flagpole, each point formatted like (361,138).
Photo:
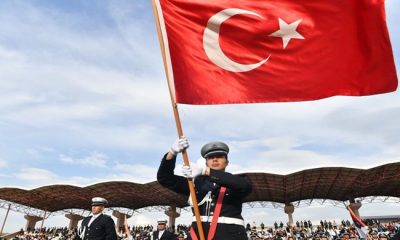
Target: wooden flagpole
(178,124)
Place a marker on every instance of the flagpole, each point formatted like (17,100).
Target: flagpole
(178,125)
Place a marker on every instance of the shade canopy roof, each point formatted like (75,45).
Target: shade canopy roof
(334,183)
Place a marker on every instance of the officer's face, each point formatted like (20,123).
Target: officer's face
(217,162)
(161,226)
(97,209)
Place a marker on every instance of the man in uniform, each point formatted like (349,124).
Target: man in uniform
(211,183)
(162,233)
(396,236)
(253,236)
(97,226)
(344,235)
(382,236)
(353,236)
(373,233)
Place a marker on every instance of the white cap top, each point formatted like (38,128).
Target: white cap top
(99,201)
(162,220)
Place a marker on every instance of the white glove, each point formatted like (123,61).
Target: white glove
(179,145)
(193,170)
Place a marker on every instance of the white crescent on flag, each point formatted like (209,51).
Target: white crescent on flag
(211,42)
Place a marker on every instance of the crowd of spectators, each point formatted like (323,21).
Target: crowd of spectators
(301,230)
(46,234)
(325,230)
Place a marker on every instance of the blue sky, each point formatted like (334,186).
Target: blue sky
(83,99)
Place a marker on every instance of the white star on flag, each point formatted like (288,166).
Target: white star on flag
(287,31)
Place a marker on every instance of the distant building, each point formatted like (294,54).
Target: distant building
(382,219)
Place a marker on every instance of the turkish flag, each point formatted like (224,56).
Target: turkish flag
(249,51)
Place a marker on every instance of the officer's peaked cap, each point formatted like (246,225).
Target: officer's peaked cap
(97,201)
(253,234)
(214,148)
(373,231)
(162,221)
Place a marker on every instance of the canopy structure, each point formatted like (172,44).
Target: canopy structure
(334,183)
(119,194)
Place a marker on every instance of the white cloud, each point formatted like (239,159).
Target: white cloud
(35,175)
(2,163)
(38,152)
(138,173)
(95,159)
(67,74)
(285,161)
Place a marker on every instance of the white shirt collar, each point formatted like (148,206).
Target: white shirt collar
(94,216)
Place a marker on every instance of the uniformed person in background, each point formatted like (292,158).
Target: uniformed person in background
(162,233)
(97,226)
(396,236)
(208,181)
(253,236)
(373,233)
(382,236)
(352,236)
(180,237)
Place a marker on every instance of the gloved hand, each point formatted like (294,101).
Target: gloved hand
(179,145)
(193,170)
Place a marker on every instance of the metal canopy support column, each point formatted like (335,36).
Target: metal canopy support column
(31,222)
(172,214)
(289,210)
(5,219)
(73,220)
(355,205)
(44,217)
(121,219)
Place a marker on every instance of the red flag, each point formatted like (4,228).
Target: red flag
(248,51)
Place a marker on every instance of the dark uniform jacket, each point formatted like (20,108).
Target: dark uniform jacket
(396,236)
(237,188)
(102,228)
(167,235)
